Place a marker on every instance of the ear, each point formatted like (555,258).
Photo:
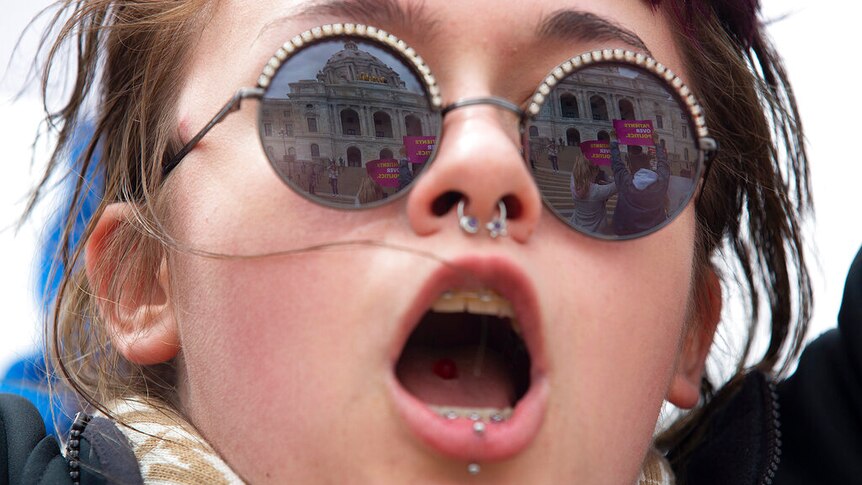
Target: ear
(135,306)
(684,390)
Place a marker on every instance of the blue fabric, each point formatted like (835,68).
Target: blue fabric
(28,376)
(48,283)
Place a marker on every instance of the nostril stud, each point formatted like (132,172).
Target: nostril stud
(497,226)
(469,224)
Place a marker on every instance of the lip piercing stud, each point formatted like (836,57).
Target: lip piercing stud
(475,417)
(473,468)
(469,224)
(450,415)
(479,428)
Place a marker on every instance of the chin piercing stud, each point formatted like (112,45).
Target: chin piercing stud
(479,428)
(469,224)
(473,468)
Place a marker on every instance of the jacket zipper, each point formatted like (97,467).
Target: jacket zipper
(774,439)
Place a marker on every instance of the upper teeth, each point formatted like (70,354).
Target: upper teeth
(484,302)
(476,302)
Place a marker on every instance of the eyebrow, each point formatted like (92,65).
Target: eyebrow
(414,18)
(563,24)
(581,26)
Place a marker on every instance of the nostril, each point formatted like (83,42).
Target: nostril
(444,203)
(514,208)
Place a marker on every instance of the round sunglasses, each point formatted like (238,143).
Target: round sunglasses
(350,116)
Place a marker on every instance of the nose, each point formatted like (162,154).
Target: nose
(478,160)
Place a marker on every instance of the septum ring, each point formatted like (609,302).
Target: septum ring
(470,224)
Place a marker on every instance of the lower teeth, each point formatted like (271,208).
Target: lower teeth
(492,415)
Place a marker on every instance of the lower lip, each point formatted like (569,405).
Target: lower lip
(455,438)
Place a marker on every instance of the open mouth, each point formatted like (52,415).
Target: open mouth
(469,370)
(466,357)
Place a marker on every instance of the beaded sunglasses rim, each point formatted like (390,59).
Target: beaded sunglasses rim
(536,101)
(707,147)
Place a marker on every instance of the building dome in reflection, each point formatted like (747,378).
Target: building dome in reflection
(352,64)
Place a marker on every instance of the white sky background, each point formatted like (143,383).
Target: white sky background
(815,40)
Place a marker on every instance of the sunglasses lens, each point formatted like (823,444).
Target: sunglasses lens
(613,151)
(348,123)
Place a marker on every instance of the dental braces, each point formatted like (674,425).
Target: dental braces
(487,415)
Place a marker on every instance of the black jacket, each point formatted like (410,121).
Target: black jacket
(821,403)
(805,430)
(28,456)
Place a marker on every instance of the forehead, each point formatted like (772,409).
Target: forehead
(427,24)
(518,29)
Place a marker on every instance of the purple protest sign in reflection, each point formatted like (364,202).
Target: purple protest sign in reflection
(597,152)
(384,172)
(419,148)
(634,132)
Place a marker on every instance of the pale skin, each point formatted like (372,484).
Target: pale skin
(285,361)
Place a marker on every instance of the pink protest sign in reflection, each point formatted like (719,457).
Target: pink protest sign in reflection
(384,172)
(419,148)
(597,152)
(634,132)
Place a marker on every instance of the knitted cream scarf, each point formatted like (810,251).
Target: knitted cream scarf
(170,451)
(656,470)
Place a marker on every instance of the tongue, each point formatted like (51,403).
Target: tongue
(461,376)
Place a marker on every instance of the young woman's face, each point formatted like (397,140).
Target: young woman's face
(297,367)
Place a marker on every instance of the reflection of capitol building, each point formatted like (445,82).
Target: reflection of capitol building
(356,110)
(582,108)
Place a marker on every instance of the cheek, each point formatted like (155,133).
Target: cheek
(247,247)
(616,332)
(227,199)
(234,204)
(261,313)
(302,341)
(262,319)
(264,333)
(629,303)
(256,335)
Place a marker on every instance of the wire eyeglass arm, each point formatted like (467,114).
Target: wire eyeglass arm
(232,105)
